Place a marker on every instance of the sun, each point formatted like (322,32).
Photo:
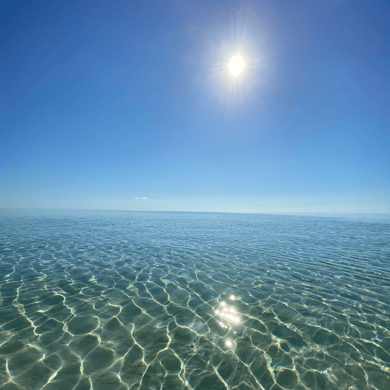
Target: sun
(236,65)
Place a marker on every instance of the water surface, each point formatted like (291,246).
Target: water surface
(128,300)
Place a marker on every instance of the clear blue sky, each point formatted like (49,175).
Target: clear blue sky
(106,103)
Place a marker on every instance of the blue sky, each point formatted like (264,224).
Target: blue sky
(129,105)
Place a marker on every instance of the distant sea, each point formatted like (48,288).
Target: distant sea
(158,300)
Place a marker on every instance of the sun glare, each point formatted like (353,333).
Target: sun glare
(236,65)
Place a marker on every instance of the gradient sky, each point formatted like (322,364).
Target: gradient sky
(129,105)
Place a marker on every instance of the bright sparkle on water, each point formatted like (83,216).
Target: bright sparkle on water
(228,315)
(229,343)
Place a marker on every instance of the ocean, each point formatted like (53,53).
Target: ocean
(157,300)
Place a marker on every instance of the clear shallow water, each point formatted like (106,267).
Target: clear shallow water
(126,300)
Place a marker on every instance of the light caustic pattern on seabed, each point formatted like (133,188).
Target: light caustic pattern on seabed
(153,302)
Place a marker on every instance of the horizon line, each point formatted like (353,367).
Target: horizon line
(302,213)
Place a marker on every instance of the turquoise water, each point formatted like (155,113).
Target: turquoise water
(127,300)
